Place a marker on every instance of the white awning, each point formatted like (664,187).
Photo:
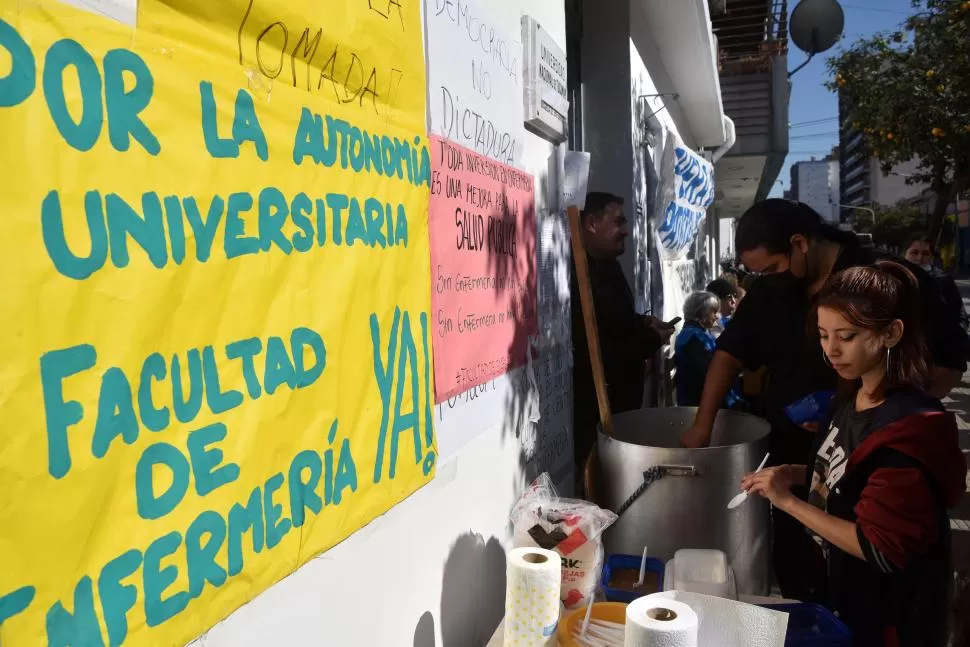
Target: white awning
(680,30)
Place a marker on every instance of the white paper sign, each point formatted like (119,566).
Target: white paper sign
(678,278)
(575,180)
(686,191)
(475,77)
(553,445)
(546,100)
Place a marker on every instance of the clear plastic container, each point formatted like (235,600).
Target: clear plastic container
(701,571)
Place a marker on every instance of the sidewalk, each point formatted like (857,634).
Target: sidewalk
(959,403)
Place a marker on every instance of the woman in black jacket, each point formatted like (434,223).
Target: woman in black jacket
(887,466)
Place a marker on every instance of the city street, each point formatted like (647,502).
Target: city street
(959,403)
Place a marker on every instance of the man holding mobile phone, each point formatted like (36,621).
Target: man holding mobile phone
(627,338)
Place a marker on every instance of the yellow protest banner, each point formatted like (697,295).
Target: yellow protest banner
(215,359)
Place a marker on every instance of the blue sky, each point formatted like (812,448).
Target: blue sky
(813,113)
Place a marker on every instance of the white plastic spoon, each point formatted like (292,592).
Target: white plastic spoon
(743,496)
(589,611)
(643,568)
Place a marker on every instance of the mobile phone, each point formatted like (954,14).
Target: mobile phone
(673,322)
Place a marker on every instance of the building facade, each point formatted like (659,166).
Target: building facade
(855,164)
(816,183)
(861,179)
(753,63)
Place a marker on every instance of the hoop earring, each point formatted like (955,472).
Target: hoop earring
(889,361)
(825,359)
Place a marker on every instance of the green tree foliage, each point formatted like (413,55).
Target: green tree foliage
(894,225)
(909,93)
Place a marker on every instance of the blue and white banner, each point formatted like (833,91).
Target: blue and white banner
(686,191)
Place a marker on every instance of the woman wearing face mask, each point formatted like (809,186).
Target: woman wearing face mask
(886,468)
(919,251)
(694,349)
(795,252)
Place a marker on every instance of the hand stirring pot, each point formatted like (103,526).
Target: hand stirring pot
(743,496)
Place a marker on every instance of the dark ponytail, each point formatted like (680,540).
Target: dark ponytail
(872,298)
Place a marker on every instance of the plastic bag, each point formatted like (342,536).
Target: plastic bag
(571,527)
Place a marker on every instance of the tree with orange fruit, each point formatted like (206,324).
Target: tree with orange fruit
(908,92)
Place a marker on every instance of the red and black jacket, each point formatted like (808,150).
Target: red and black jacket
(897,487)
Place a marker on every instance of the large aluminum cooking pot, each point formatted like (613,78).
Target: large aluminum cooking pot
(687,506)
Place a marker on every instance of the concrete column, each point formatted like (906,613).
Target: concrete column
(607,106)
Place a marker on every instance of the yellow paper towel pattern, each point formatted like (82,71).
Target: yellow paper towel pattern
(531,600)
(532,616)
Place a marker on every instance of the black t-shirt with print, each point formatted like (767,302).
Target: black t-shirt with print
(849,428)
(846,431)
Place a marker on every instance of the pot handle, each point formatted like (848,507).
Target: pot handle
(679,470)
(653,474)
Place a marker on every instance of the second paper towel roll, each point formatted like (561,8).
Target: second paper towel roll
(657,621)
(532,597)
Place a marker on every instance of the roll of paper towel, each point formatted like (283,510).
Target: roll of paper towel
(532,597)
(658,621)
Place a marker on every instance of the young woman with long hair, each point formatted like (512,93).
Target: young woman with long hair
(887,465)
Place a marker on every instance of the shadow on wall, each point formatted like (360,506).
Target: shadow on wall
(472,595)
(473,586)
(646,183)
(554,449)
(544,445)
(516,422)
(424,632)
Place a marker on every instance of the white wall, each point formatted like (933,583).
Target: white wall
(432,570)
(887,190)
(650,114)
(621,67)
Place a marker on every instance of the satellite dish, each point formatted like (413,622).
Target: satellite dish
(816,25)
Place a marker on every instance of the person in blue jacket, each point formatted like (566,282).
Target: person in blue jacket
(727,293)
(695,347)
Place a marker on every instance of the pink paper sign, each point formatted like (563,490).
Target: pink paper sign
(483,255)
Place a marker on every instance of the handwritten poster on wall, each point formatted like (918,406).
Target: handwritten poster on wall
(475,77)
(483,256)
(686,191)
(552,449)
(216,336)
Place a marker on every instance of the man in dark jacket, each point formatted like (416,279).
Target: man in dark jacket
(627,339)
